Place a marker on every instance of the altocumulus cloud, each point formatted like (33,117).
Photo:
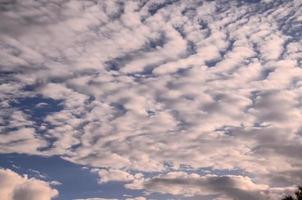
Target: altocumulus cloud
(164,96)
(16,187)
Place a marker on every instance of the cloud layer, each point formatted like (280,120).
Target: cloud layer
(162,86)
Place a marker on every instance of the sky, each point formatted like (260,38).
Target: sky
(150,99)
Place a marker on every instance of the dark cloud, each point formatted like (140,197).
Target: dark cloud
(228,186)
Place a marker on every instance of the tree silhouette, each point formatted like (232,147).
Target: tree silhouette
(298,195)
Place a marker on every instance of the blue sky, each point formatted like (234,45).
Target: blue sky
(150,99)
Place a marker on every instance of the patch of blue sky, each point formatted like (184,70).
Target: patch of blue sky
(76,180)
(37,107)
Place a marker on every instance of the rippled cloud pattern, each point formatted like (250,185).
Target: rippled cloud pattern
(179,99)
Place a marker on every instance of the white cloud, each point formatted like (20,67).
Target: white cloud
(25,139)
(133,198)
(95,199)
(114,175)
(16,187)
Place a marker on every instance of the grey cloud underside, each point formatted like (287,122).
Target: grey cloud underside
(218,185)
(157,86)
